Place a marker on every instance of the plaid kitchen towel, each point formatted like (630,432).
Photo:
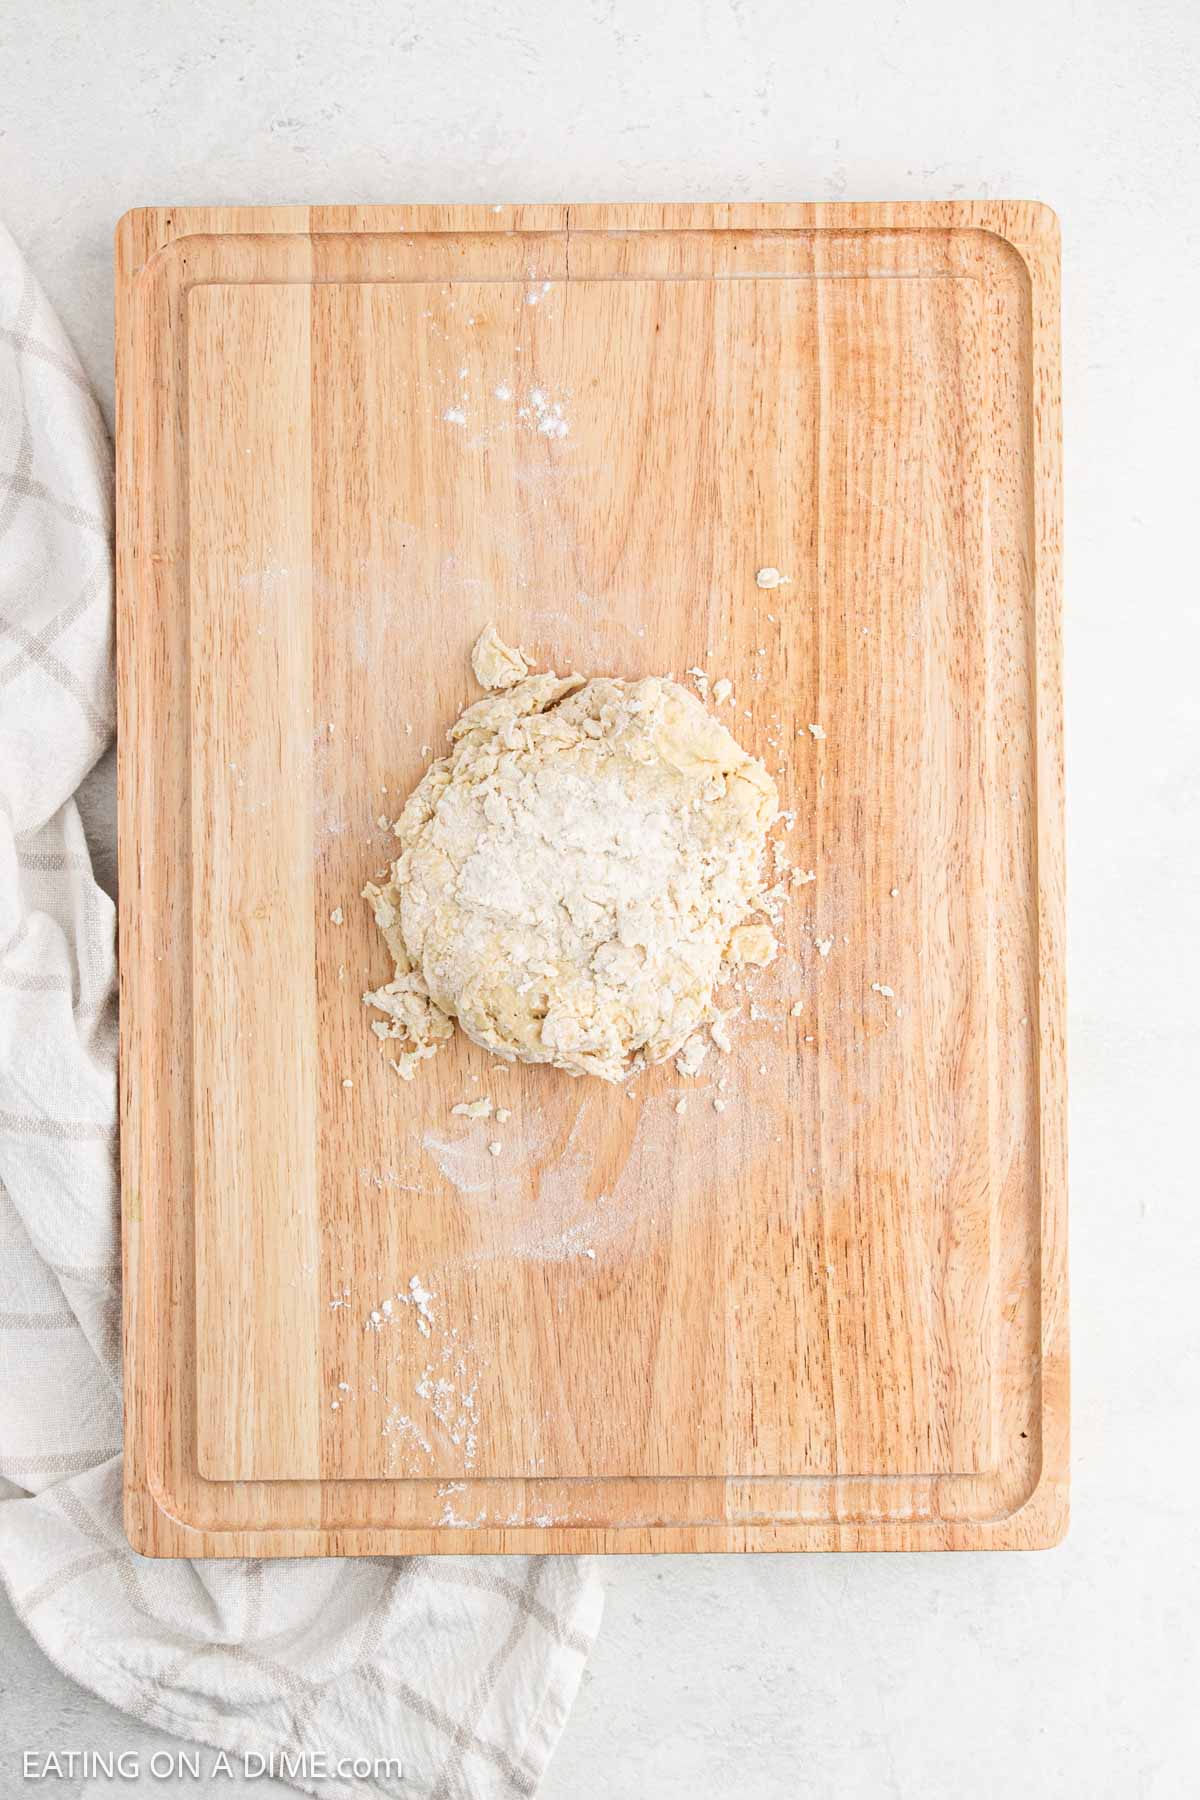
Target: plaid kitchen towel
(463,1669)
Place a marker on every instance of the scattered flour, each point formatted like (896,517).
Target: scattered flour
(443,1402)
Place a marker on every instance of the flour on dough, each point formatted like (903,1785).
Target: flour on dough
(575,877)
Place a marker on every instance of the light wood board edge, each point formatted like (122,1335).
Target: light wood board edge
(1032,229)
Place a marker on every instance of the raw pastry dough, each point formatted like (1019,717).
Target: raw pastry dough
(573,876)
(497,664)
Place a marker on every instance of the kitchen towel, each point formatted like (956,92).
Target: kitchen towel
(463,1668)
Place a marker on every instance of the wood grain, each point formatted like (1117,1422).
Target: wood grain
(831,1316)
(254,1021)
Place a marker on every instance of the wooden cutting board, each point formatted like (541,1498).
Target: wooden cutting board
(831,1314)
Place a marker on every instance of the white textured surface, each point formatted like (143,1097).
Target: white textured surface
(772,1679)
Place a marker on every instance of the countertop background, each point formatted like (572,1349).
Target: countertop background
(1069,1673)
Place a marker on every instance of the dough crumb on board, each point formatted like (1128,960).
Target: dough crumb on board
(753,944)
(474,1109)
(497,664)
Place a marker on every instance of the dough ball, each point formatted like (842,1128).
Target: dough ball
(573,876)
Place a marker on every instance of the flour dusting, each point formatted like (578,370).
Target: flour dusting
(443,1404)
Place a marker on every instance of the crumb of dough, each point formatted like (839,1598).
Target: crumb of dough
(818,731)
(692,1055)
(877,987)
(722,691)
(497,664)
(503,1115)
(719,1033)
(797,1008)
(800,876)
(474,1109)
(895,893)
(824,945)
(337,917)
(770,578)
(347,1082)
(407,1063)
(681,1106)
(495,1148)
(720,1105)
(753,944)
